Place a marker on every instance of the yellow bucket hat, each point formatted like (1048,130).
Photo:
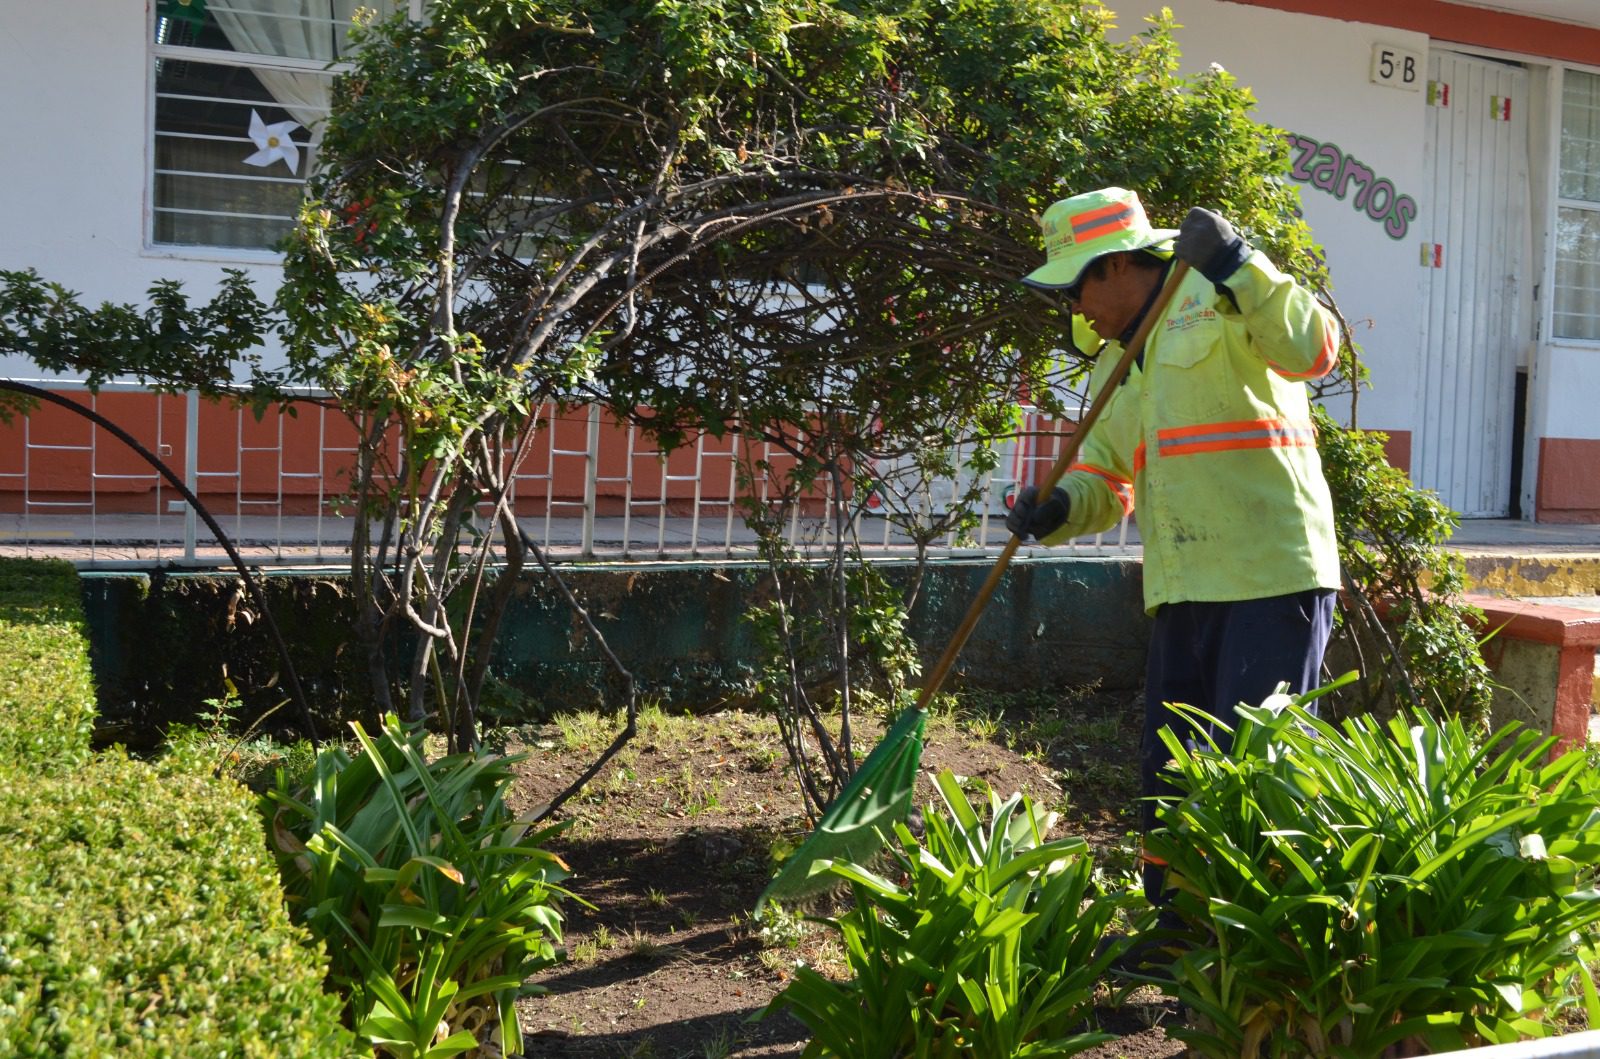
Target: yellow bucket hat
(1084,227)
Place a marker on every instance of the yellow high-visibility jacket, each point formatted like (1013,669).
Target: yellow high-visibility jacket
(1212,437)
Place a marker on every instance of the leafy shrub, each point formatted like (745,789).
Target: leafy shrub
(1392,536)
(47,702)
(988,946)
(1372,885)
(140,915)
(435,903)
(830,639)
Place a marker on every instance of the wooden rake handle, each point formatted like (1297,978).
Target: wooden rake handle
(941,669)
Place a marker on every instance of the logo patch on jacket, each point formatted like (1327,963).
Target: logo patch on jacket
(1191,314)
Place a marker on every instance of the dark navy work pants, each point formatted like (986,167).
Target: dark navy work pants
(1215,656)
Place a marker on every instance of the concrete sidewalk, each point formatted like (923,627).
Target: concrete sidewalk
(123,539)
(130,539)
(1499,534)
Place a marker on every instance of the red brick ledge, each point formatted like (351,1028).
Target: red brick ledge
(1576,634)
(1540,622)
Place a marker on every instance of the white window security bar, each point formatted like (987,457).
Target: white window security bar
(69,489)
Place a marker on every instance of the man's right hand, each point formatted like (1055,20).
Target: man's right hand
(1031,518)
(1209,244)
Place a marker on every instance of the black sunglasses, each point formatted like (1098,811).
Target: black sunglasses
(1074,293)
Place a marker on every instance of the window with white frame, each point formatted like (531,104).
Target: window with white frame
(1577,296)
(241,87)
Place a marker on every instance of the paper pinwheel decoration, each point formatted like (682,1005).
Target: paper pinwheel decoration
(273,142)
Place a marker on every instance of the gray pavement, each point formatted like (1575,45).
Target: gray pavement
(124,539)
(1496,535)
(1589,602)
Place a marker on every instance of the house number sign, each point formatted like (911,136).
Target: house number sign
(1396,67)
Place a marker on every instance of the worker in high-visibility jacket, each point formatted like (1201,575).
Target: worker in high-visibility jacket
(1209,438)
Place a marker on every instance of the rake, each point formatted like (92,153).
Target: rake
(858,820)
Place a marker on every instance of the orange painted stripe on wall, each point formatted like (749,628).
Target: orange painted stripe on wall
(1458,24)
(1568,490)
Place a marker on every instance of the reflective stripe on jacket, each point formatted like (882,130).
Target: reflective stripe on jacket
(1212,439)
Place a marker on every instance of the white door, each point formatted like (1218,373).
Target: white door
(1476,283)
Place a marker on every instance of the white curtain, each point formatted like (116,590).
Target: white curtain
(296,29)
(192,210)
(1577,296)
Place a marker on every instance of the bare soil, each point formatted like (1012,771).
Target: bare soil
(671,845)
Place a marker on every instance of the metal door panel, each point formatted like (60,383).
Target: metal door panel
(1477,163)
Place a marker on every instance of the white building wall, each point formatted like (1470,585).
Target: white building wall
(1310,77)
(75,78)
(76,124)
(1569,392)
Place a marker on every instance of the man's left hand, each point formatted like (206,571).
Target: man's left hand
(1210,245)
(1032,517)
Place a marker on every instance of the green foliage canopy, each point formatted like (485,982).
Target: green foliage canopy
(732,213)
(170,344)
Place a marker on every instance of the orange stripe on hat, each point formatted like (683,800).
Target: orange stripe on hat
(1093,224)
(1100,212)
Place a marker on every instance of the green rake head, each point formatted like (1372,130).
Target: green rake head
(860,819)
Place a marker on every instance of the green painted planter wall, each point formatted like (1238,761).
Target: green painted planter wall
(161,645)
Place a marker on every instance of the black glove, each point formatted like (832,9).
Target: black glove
(1030,518)
(1210,245)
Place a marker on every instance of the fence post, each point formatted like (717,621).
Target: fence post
(191,468)
(591,475)
(699,493)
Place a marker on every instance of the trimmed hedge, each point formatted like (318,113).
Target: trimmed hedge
(140,912)
(46,691)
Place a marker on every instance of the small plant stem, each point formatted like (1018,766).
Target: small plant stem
(841,622)
(632,726)
(216,773)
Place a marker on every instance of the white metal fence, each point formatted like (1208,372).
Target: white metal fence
(590,489)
